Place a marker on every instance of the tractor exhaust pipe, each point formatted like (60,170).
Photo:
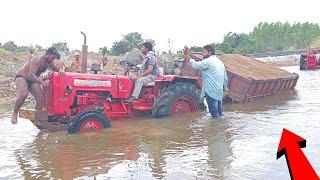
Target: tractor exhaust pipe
(84,58)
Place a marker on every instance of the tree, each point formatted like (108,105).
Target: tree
(23,48)
(120,47)
(237,43)
(61,46)
(9,46)
(38,47)
(103,49)
(271,37)
(134,39)
(283,36)
(129,42)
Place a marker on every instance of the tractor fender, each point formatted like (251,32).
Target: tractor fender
(178,78)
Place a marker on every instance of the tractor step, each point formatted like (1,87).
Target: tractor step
(142,105)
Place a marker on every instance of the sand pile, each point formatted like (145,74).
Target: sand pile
(251,68)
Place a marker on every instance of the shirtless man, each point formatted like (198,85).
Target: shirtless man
(27,79)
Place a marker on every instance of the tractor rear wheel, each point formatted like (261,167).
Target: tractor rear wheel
(177,98)
(88,121)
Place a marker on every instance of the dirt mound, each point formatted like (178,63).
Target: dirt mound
(8,87)
(16,57)
(251,68)
(135,56)
(166,61)
(113,67)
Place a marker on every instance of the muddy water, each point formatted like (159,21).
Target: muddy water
(242,145)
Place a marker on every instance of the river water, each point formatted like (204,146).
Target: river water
(242,145)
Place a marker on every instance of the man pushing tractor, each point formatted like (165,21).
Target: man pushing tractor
(28,80)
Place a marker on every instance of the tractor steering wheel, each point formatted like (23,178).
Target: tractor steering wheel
(126,64)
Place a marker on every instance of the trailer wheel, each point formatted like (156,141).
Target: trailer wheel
(177,98)
(89,121)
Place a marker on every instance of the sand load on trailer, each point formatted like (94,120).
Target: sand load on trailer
(251,68)
(250,79)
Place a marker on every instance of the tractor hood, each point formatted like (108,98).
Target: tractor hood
(62,89)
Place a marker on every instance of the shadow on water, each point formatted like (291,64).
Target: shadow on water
(263,104)
(184,147)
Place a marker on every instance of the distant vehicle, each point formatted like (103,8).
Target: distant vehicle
(309,61)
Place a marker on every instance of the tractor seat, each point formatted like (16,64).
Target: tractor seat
(150,84)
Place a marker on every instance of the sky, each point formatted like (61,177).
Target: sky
(191,23)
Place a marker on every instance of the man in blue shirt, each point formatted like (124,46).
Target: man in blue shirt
(150,70)
(214,78)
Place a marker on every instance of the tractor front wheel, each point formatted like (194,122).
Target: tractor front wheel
(89,121)
(177,98)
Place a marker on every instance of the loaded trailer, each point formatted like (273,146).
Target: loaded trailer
(250,79)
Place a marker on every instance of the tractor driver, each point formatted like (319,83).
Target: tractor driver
(150,70)
(27,79)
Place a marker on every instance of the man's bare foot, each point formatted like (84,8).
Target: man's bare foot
(14,119)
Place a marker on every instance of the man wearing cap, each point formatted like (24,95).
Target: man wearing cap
(28,80)
(76,64)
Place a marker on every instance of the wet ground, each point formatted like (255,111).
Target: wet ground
(242,145)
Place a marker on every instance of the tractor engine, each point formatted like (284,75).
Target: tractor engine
(69,95)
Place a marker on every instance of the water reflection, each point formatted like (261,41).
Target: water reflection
(170,148)
(264,104)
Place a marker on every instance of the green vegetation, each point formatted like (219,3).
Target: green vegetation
(265,37)
(61,46)
(270,37)
(316,42)
(128,42)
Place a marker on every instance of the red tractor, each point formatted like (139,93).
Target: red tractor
(81,102)
(309,61)
(87,102)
